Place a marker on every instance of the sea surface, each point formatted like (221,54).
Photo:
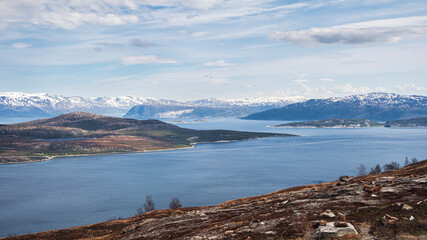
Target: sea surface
(73,191)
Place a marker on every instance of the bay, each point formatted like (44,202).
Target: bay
(74,191)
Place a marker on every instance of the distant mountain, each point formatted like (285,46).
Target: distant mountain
(21,111)
(210,108)
(408,123)
(15,104)
(373,106)
(333,123)
(42,104)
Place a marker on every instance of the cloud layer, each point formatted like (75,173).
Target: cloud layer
(379,31)
(219,63)
(133,60)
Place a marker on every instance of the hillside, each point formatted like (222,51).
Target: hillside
(332,123)
(390,205)
(373,106)
(408,123)
(85,133)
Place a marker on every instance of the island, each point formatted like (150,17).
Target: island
(332,123)
(80,133)
(420,122)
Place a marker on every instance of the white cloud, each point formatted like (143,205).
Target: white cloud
(349,89)
(411,88)
(385,31)
(20,45)
(70,14)
(326,79)
(300,81)
(132,60)
(66,14)
(200,4)
(219,63)
(199,34)
(286,92)
(301,75)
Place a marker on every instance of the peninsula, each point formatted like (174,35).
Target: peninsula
(420,122)
(82,133)
(333,123)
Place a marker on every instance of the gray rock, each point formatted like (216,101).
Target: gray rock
(389,190)
(327,214)
(330,231)
(406,207)
(420,180)
(346,178)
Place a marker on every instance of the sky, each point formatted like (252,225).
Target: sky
(193,49)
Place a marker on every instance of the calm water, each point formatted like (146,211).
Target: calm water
(73,191)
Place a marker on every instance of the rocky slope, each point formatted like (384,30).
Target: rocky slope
(372,106)
(332,123)
(408,123)
(86,133)
(391,205)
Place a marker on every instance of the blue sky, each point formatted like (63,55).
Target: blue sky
(192,49)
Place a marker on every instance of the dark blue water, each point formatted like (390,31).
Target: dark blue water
(73,191)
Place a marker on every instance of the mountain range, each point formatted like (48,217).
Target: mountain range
(372,106)
(16,104)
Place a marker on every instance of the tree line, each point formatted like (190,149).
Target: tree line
(362,171)
(150,206)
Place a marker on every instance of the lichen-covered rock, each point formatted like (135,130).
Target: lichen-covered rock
(327,214)
(332,231)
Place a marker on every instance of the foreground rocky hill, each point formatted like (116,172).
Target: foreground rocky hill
(391,205)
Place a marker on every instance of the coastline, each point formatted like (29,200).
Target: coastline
(192,145)
(98,154)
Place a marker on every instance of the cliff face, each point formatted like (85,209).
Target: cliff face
(385,206)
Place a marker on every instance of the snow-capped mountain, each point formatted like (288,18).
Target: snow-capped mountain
(210,108)
(373,106)
(40,104)
(16,104)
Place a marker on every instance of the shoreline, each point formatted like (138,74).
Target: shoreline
(192,145)
(98,154)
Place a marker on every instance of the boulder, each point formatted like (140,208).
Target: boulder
(333,231)
(346,178)
(327,214)
(406,207)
